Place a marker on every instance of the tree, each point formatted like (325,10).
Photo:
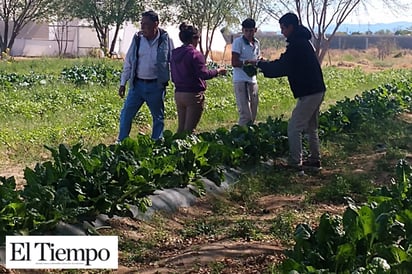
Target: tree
(384,32)
(407,31)
(253,9)
(16,14)
(61,19)
(206,15)
(104,14)
(322,16)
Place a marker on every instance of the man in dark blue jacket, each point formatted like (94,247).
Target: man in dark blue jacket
(300,64)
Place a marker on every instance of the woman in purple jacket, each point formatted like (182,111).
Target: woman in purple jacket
(189,75)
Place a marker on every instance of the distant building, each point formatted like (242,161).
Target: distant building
(363,42)
(339,41)
(39,39)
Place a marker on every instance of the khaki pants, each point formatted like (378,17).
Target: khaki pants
(247,100)
(190,107)
(305,118)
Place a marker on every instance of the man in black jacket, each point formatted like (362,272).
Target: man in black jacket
(300,64)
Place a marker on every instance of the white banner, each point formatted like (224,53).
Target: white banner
(61,252)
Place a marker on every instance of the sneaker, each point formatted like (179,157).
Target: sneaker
(312,165)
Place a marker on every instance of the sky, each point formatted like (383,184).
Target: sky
(378,13)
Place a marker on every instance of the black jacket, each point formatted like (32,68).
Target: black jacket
(299,63)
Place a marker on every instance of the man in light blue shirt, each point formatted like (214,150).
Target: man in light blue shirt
(246,47)
(146,68)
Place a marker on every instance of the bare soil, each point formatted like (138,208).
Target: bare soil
(206,254)
(220,253)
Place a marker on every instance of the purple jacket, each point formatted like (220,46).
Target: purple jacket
(188,69)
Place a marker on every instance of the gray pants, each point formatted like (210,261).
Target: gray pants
(189,107)
(305,118)
(247,102)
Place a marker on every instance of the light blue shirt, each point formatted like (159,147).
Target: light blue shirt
(146,69)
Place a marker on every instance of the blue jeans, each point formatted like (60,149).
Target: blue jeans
(143,92)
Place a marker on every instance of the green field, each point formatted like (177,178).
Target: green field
(61,117)
(53,101)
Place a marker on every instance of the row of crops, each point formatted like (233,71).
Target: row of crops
(98,73)
(78,184)
(77,74)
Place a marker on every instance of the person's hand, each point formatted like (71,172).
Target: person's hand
(122,91)
(250,62)
(250,69)
(253,62)
(221,71)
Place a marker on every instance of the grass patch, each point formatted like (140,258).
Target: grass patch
(246,229)
(203,227)
(282,227)
(342,186)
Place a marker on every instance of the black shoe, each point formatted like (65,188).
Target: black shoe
(294,168)
(312,165)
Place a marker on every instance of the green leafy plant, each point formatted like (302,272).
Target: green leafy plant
(78,183)
(250,70)
(90,74)
(374,236)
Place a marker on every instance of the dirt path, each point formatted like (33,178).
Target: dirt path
(17,171)
(200,255)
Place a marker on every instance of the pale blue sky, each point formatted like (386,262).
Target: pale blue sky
(376,14)
(379,13)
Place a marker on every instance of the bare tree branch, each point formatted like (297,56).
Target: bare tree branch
(323,17)
(206,15)
(16,14)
